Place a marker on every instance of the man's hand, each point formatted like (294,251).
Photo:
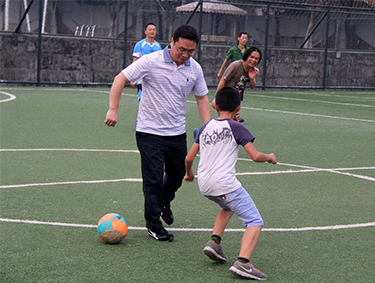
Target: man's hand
(189,177)
(111,118)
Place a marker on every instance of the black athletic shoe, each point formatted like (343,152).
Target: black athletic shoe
(167,215)
(161,235)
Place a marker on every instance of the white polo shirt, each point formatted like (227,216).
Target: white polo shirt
(165,89)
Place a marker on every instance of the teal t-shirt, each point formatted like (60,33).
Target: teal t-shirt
(234,53)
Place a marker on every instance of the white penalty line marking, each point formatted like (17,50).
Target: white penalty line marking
(11,96)
(302,229)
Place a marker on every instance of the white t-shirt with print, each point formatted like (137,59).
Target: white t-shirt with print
(219,142)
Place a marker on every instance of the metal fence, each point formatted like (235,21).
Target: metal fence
(290,23)
(339,25)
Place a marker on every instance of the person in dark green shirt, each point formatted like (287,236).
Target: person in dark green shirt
(236,52)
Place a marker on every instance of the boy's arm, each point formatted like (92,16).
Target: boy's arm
(259,156)
(189,177)
(114,99)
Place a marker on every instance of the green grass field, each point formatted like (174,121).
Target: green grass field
(62,169)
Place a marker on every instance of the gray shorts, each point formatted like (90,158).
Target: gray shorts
(242,205)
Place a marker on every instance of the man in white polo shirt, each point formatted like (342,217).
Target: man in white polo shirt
(168,76)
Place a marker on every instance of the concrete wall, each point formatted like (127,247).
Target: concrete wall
(88,60)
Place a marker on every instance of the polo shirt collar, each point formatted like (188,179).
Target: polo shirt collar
(168,58)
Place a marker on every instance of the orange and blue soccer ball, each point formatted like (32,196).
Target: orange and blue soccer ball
(112,228)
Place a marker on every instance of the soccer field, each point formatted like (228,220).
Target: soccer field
(62,169)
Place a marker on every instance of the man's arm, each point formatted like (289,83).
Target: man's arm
(114,99)
(219,86)
(204,108)
(131,83)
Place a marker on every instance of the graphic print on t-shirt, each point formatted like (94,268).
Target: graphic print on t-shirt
(224,136)
(240,86)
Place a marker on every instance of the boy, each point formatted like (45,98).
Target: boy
(236,52)
(218,142)
(143,47)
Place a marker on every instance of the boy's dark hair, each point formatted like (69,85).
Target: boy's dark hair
(251,50)
(187,32)
(149,24)
(228,99)
(242,32)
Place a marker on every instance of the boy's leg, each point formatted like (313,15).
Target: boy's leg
(221,221)
(249,241)
(213,248)
(250,217)
(242,267)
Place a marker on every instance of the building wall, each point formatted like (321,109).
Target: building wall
(89,60)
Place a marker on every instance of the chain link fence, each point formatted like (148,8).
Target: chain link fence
(330,25)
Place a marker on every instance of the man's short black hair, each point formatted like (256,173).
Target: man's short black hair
(228,99)
(251,50)
(149,24)
(187,32)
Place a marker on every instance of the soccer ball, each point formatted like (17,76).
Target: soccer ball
(112,228)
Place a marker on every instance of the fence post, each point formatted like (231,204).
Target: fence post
(39,43)
(200,31)
(266,46)
(326,45)
(125,33)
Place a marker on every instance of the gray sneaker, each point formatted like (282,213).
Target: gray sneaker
(247,270)
(215,252)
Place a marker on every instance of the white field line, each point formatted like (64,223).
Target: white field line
(67,149)
(244,107)
(309,169)
(309,114)
(71,183)
(11,97)
(311,93)
(311,100)
(305,169)
(238,174)
(336,95)
(303,114)
(319,228)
